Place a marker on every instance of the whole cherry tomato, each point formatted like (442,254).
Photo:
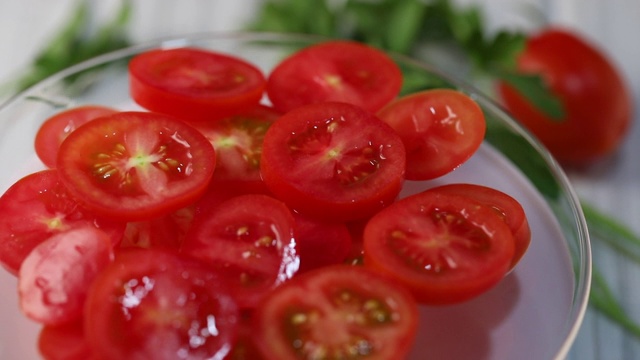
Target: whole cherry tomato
(596,100)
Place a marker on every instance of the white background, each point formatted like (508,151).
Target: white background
(613,25)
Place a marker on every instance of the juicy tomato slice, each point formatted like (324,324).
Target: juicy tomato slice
(333,160)
(54,278)
(337,312)
(154,304)
(344,71)
(37,207)
(320,243)
(440,129)
(249,238)
(508,208)
(238,143)
(164,232)
(136,165)
(445,248)
(56,128)
(64,342)
(194,84)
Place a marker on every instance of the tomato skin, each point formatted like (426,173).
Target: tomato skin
(335,311)
(194,84)
(440,129)
(320,243)
(508,208)
(134,166)
(155,304)
(248,238)
(56,128)
(64,342)
(54,277)
(37,207)
(334,161)
(345,71)
(444,248)
(596,100)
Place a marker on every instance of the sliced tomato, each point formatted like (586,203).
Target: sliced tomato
(320,243)
(340,70)
(333,160)
(194,84)
(445,248)
(56,128)
(165,232)
(37,207)
(54,278)
(154,304)
(337,312)
(136,165)
(508,208)
(440,129)
(250,239)
(64,342)
(238,143)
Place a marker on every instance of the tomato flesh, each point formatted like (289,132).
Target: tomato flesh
(136,165)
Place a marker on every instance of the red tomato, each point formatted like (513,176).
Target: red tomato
(167,231)
(136,165)
(249,238)
(444,248)
(37,207)
(238,143)
(508,208)
(153,304)
(345,71)
(194,84)
(64,342)
(337,312)
(597,103)
(333,161)
(54,278)
(440,129)
(56,128)
(320,243)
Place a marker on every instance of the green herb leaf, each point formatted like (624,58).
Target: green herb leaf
(535,90)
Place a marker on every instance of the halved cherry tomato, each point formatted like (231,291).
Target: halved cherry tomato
(338,312)
(320,243)
(508,208)
(54,278)
(153,304)
(194,84)
(440,129)
(238,143)
(340,70)
(37,207)
(598,103)
(64,342)
(333,160)
(56,128)
(136,165)
(444,248)
(249,239)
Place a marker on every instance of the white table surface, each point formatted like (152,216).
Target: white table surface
(614,186)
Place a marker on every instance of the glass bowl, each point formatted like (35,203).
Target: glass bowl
(534,313)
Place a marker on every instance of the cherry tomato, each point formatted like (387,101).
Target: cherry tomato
(508,208)
(37,207)
(250,239)
(64,342)
(54,278)
(166,232)
(333,160)
(194,84)
(154,304)
(238,143)
(56,128)
(136,165)
(338,312)
(445,248)
(597,103)
(338,70)
(320,243)
(440,129)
